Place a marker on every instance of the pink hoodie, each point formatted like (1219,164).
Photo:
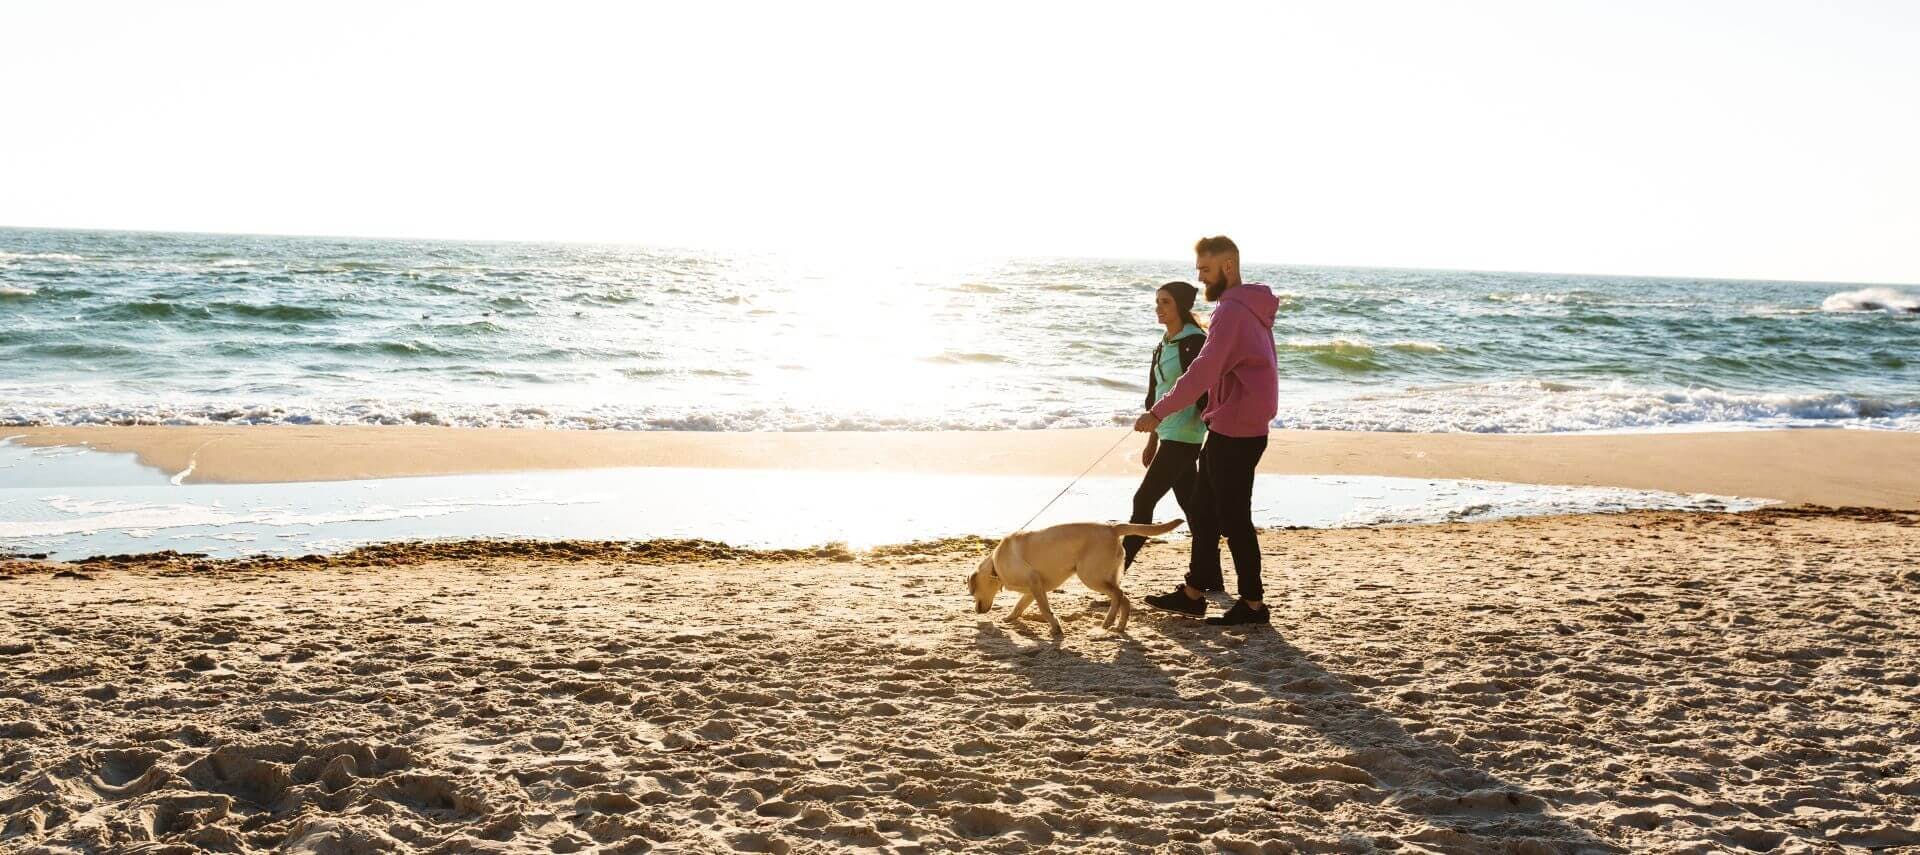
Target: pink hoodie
(1235,369)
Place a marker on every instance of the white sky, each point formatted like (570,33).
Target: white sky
(1740,139)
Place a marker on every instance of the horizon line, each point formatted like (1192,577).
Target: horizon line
(1005,256)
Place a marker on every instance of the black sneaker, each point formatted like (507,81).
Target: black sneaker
(1241,613)
(1214,589)
(1178,602)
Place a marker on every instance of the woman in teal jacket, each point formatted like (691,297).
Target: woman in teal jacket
(1173,449)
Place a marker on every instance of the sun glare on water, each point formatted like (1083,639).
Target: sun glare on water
(846,329)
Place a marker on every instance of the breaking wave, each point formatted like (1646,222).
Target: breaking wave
(1872,300)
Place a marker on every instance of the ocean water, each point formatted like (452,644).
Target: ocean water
(116,327)
(72,503)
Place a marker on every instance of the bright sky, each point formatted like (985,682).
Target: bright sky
(1738,139)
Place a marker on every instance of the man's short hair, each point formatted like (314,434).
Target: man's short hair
(1216,245)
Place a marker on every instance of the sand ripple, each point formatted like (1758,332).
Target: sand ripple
(1646,682)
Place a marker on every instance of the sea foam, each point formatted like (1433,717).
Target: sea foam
(1546,407)
(39,256)
(1872,300)
(1520,406)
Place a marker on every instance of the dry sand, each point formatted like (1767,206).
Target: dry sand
(1650,682)
(1830,467)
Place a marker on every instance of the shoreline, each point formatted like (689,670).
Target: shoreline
(1820,467)
(705,551)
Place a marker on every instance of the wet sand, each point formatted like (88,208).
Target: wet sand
(1831,467)
(1650,682)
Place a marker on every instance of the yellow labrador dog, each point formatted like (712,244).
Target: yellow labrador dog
(1035,562)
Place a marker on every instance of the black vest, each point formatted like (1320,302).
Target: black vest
(1189,348)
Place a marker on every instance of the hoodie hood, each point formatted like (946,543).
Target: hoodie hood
(1187,331)
(1255,298)
(1235,369)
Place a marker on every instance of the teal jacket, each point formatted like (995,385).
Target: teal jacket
(1168,364)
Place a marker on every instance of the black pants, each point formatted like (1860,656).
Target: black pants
(1173,468)
(1226,476)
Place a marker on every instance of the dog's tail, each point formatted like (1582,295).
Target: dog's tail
(1146,530)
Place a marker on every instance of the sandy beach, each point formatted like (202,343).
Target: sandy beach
(1830,467)
(1647,682)
(1641,682)
(449,429)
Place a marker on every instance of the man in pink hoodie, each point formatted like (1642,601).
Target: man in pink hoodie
(1236,371)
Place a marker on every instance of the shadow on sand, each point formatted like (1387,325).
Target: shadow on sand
(1468,809)
(1464,809)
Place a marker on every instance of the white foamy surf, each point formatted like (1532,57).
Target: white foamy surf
(1520,406)
(1872,300)
(1536,407)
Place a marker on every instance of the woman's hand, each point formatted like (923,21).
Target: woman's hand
(1153,448)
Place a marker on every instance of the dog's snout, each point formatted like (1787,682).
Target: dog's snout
(979,609)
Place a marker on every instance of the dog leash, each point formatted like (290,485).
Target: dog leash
(1076,480)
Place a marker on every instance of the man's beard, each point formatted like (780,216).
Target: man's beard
(1215,288)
